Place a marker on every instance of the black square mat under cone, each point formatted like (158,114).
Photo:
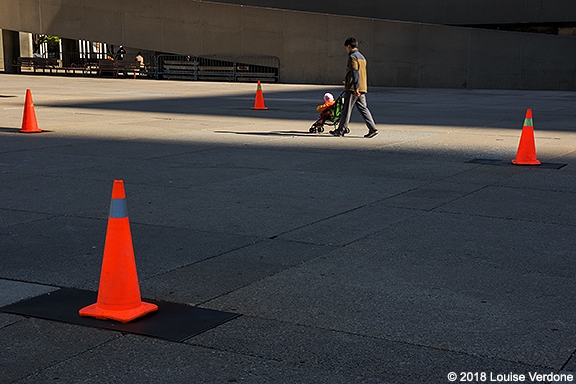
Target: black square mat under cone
(503,162)
(172,321)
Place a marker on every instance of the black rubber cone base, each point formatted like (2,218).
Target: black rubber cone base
(502,162)
(172,321)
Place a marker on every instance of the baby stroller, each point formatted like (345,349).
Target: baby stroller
(330,116)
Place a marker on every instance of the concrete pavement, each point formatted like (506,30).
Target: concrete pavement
(351,260)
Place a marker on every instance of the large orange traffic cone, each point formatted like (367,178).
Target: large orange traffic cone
(526,154)
(29,122)
(119,292)
(259,102)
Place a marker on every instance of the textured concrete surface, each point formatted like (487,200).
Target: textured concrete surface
(351,260)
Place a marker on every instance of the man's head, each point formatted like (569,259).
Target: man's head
(351,43)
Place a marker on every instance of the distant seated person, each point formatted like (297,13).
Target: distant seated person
(140,60)
(120,53)
(325,111)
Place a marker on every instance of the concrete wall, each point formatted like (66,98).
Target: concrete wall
(310,45)
(453,12)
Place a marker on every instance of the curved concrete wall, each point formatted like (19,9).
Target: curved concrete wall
(310,45)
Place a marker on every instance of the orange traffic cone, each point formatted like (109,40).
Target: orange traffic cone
(29,122)
(526,154)
(259,102)
(119,292)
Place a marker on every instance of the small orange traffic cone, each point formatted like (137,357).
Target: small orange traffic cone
(119,292)
(259,102)
(526,154)
(29,122)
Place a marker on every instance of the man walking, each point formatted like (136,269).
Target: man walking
(355,86)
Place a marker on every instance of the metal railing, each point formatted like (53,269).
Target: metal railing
(217,67)
(174,67)
(250,68)
(165,66)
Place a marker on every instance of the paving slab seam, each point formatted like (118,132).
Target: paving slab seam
(437,208)
(70,357)
(199,345)
(17,319)
(340,214)
(200,303)
(22,281)
(277,360)
(383,200)
(51,215)
(531,188)
(514,219)
(203,260)
(494,184)
(568,360)
(199,229)
(348,211)
(48,215)
(120,335)
(364,206)
(356,334)
(250,355)
(182,153)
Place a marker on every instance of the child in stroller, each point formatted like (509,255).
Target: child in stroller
(329,113)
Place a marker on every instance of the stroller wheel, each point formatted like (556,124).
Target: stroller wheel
(320,129)
(312,129)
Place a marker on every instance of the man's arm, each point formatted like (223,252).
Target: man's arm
(355,66)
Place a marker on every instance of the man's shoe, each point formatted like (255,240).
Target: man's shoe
(371,134)
(336,132)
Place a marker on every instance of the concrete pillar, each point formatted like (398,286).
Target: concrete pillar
(1,53)
(26,46)
(11,50)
